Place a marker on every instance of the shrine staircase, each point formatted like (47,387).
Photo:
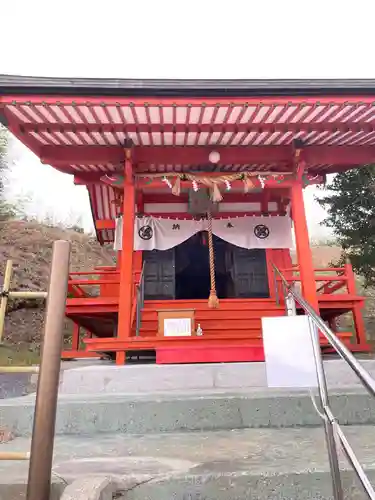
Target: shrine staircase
(233,332)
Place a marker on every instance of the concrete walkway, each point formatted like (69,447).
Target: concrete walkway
(251,463)
(242,442)
(152,379)
(190,411)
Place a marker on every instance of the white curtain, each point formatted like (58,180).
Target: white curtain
(152,233)
(255,232)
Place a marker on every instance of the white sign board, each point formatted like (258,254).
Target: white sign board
(177,327)
(289,352)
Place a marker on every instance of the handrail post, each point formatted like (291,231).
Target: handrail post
(290,304)
(277,295)
(138,313)
(328,423)
(140,301)
(39,482)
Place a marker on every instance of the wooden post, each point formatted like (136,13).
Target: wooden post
(39,483)
(126,269)
(304,253)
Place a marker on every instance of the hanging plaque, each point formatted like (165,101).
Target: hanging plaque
(200,202)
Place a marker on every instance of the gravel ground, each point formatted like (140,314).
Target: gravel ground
(13,385)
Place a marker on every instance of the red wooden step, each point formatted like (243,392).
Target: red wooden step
(232,304)
(231,333)
(209,354)
(150,343)
(213,323)
(220,314)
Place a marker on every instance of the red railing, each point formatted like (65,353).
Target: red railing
(103,281)
(329,280)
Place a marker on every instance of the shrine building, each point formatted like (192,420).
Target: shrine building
(198,187)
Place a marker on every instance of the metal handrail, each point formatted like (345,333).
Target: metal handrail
(332,427)
(140,301)
(342,350)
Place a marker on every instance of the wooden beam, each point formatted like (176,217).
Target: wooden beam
(110,223)
(101,224)
(198,156)
(198,128)
(229,197)
(63,155)
(105,100)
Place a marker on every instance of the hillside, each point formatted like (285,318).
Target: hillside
(29,245)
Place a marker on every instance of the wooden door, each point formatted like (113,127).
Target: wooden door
(159,274)
(249,273)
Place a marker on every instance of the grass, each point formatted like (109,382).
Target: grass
(22,356)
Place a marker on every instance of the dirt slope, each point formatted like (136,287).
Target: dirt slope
(29,245)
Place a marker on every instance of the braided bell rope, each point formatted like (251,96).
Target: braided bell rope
(213,301)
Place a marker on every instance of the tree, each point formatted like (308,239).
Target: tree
(7,210)
(3,165)
(350,203)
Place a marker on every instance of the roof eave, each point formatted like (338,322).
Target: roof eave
(21,85)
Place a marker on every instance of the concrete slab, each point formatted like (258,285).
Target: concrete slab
(192,411)
(239,464)
(147,379)
(15,488)
(92,488)
(246,486)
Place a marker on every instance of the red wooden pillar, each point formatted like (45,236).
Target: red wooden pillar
(304,254)
(359,324)
(126,268)
(75,337)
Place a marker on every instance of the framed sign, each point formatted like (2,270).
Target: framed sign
(177,327)
(176,322)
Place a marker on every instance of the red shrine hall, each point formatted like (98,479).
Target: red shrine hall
(198,187)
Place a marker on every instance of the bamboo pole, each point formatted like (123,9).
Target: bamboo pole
(27,295)
(39,481)
(19,369)
(14,455)
(4,296)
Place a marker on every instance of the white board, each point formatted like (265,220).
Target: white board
(289,352)
(177,327)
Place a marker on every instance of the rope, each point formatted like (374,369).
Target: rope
(217,178)
(213,301)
